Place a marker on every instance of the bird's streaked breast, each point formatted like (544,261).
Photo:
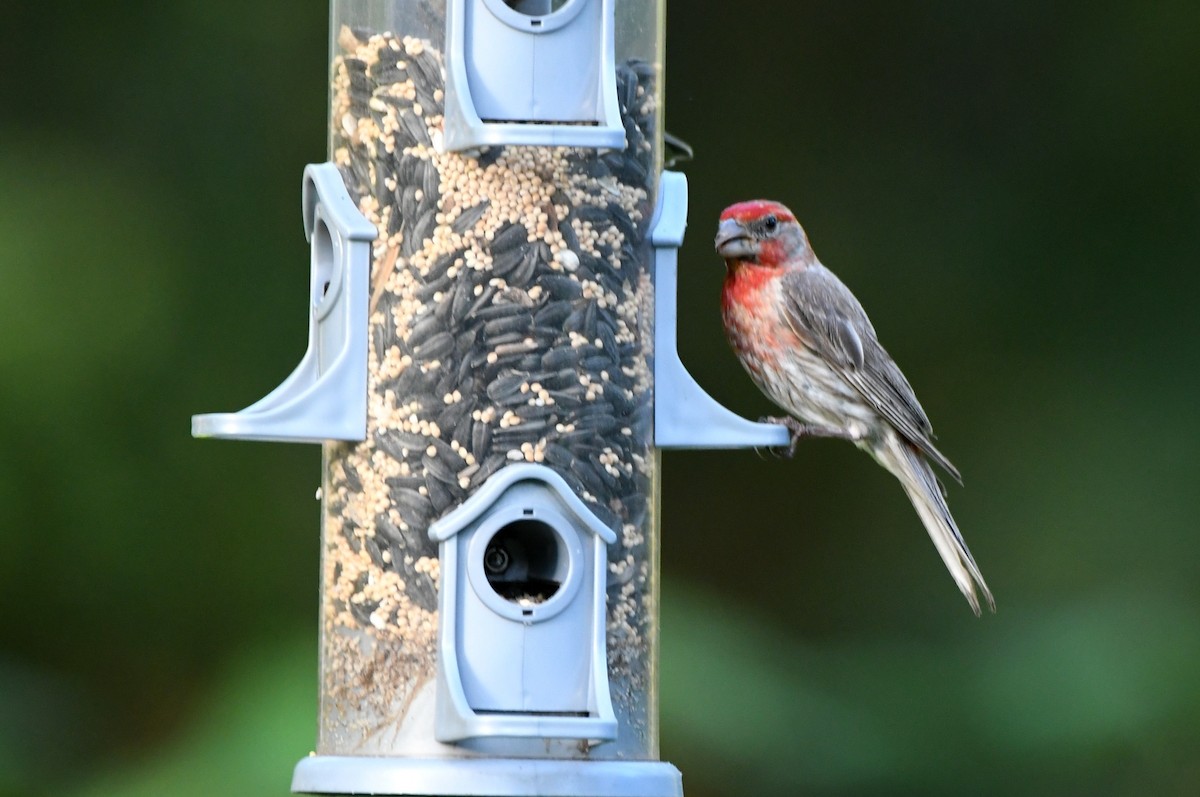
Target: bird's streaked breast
(783,367)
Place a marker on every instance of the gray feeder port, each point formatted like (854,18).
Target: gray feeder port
(522,607)
(531,72)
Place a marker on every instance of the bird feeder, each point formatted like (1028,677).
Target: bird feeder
(492,372)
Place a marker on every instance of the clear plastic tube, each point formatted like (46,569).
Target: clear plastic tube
(511,319)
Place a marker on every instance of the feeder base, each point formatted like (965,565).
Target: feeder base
(490,777)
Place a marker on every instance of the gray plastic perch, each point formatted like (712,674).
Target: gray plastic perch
(325,397)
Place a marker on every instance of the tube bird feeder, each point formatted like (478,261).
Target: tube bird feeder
(493,242)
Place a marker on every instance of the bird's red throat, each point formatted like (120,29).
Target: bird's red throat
(744,285)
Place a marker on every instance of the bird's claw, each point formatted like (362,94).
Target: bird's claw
(779,452)
(799,430)
(795,429)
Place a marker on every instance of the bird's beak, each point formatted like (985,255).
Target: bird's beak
(733,242)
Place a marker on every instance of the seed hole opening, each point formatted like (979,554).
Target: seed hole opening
(322,256)
(536,8)
(525,562)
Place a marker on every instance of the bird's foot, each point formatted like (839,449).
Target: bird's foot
(799,429)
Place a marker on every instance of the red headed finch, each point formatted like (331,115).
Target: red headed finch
(808,345)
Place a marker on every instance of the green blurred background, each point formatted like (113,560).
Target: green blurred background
(1012,190)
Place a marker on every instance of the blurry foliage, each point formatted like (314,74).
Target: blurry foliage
(1013,190)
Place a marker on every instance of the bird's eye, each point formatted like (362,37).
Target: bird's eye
(770,223)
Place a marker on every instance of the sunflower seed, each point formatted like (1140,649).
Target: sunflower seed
(412,506)
(452,416)
(487,469)
(352,479)
(440,494)
(597,216)
(464,296)
(398,445)
(464,342)
(422,229)
(481,439)
(568,232)
(501,326)
(468,218)
(584,471)
(414,127)
(438,285)
(496,310)
(405,482)
(388,531)
(561,287)
(560,358)
(437,346)
(423,330)
(623,401)
(462,429)
(504,262)
(552,314)
(508,237)
(447,454)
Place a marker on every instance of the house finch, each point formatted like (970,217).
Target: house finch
(808,344)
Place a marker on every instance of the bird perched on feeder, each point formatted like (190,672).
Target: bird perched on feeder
(808,344)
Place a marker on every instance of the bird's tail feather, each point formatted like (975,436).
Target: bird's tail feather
(919,482)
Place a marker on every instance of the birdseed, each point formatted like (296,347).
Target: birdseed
(510,321)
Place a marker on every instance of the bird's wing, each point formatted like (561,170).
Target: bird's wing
(824,314)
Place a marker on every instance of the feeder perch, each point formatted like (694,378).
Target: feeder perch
(325,397)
